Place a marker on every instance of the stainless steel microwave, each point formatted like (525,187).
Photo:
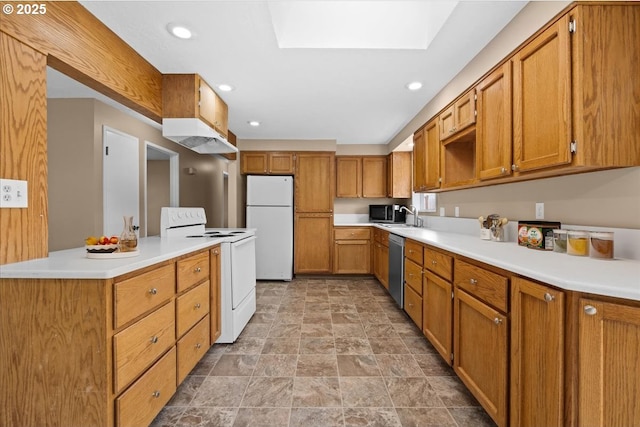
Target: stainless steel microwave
(386,213)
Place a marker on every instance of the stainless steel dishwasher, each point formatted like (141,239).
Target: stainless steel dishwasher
(396,268)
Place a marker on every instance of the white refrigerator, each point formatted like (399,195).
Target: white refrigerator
(270,212)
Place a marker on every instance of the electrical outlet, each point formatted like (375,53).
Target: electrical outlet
(13,193)
(442,211)
(456,211)
(539,210)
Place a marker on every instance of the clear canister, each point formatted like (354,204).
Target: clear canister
(578,242)
(601,245)
(560,241)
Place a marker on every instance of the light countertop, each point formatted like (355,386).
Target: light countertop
(73,263)
(616,278)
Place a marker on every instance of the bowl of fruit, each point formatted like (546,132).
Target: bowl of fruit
(102,244)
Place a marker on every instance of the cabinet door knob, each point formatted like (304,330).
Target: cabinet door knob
(497,320)
(153,291)
(548,297)
(434,262)
(197,270)
(514,167)
(503,170)
(590,310)
(473,281)
(156,394)
(198,346)
(154,340)
(197,306)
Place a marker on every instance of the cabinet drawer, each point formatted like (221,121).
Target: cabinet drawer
(192,270)
(343,233)
(192,347)
(136,347)
(413,275)
(413,251)
(439,263)
(140,404)
(413,305)
(484,284)
(139,294)
(191,306)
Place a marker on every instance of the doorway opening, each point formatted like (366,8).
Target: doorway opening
(161,184)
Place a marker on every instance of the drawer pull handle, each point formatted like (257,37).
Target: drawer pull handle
(154,340)
(590,310)
(548,297)
(434,262)
(197,270)
(497,320)
(198,346)
(153,291)
(197,306)
(156,394)
(473,281)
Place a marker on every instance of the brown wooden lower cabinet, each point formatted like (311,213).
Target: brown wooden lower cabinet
(352,250)
(381,256)
(608,366)
(537,355)
(481,353)
(140,404)
(437,314)
(81,353)
(313,243)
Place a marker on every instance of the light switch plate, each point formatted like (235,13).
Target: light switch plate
(13,193)
(539,210)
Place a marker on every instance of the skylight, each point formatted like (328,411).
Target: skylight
(355,24)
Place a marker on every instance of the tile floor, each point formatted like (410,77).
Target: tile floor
(334,352)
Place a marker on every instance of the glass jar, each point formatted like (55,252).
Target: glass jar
(601,245)
(560,241)
(578,242)
(128,238)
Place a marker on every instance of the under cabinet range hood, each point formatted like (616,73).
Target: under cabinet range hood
(196,135)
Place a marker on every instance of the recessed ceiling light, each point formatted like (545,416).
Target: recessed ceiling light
(225,87)
(179,31)
(254,123)
(414,85)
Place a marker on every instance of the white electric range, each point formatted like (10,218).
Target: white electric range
(238,264)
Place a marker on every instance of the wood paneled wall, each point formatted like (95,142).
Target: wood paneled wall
(23,148)
(70,39)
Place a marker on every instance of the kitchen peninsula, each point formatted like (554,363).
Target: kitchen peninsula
(105,342)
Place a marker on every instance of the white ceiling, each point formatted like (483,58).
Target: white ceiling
(352,95)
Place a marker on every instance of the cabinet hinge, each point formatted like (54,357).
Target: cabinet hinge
(451,294)
(451,357)
(573,147)
(475,96)
(475,113)
(572,26)
(440,179)
(106,151)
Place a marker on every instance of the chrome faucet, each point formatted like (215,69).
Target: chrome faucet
(417,221)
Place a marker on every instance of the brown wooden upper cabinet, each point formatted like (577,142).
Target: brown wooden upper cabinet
(315,182)
(189,96)
(361,176)
(459,116)
(426,157)
(419,161)
(571,86)
(493,127)
(542,100)
(399,175)
(267,163)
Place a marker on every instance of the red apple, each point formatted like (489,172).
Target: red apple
(114,240)
(104,240)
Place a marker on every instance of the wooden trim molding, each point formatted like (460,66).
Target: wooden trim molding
(77,44)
